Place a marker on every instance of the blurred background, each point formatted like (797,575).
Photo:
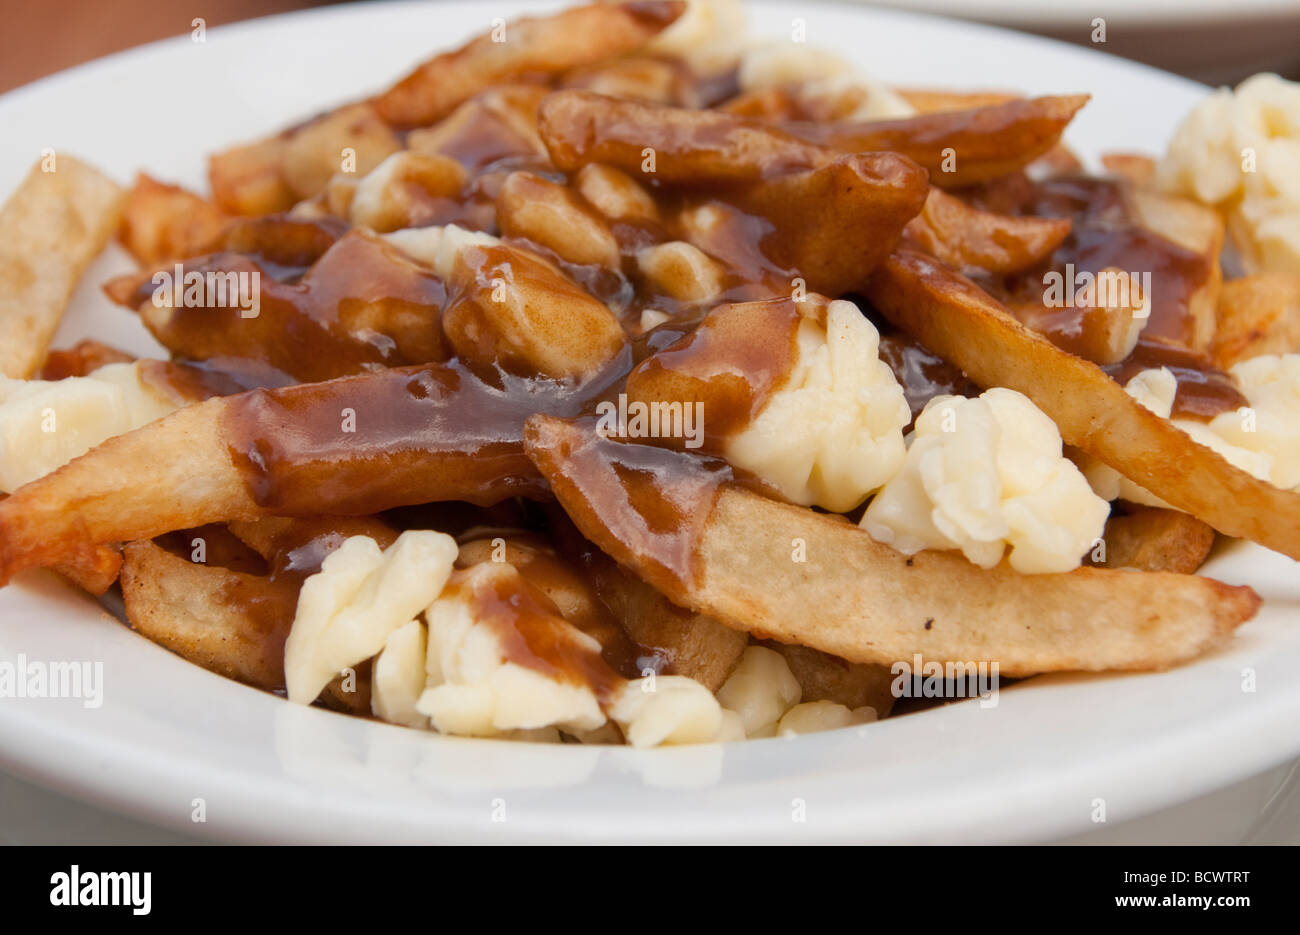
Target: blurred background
(1214,41)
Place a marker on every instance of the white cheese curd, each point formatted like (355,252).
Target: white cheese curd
(1238,151)
(822,74)
(667,709)
(348,609)
(810,717)
(1255,441)
(44,424)
(1272,426)
(397,677)
(833,433)
(708,35)
(438,246)
(760,690)
(472,687)
(985,474)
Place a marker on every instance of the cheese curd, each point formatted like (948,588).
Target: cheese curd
(347,611)
(397,676)
(987,473)
(1238,151)
(473,689)
(708,35)
(823,76)
(760,690)
(667,709)
(438,246)
(1263,440)
(44,424)
(1272,426)
(834,433)
(810,717)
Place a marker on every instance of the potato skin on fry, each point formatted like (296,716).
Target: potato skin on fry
(954,318)
(228,622)
(231,623)
(50,229)
(534,45)
(1153,539)
(1257,315)
(985,142)
(860,600)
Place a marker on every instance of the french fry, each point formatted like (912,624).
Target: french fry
(1198,229)
(836,223)
(670,145)
(364,302)
(1137,168)
(273,536)
(943,100)
(249,179)
(94,571)
(697,645)
(1153,539)
(833,218)
(860,600)
(964,325)
(1257,315)
(50,229)
(228,622)
(533,45)
(85,356)
(824,677)
(963,236)
(163,222)
(315,152)
(958,148)
(421,434)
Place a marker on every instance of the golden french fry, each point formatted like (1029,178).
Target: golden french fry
(358,445)
(85,356)
(553,216)
(824,677)
(314,152)
(957,320)
(249,179)
(696,645)
(1257,315)
(163,222)
(942,100)
(667,144)
(1138,168)
(229,622)
(364,302)
(532,46)
(836,223)
(860,600)
(1198,229)
(957,148)
(274,537)
(50,229)
(1153,539)
(963,236)
(512,308)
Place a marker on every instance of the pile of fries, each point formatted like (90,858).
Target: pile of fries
(615,379)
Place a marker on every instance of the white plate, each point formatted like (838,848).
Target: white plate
(169,733)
